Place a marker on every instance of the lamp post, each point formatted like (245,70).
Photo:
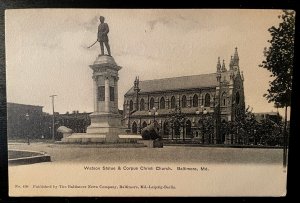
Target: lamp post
(50,130)
(154,112)
(128,110)
(183,128)
(172,127)
(204,113)
(254,132)
(53,118)
(27,126)
(197,113)
(177,119)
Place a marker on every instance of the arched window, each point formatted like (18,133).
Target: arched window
(237,98)
(183,101)
(142,105)
(151,103)
(162,103)
(195,101)
(207,100)
(144,125)
(173,102)
(134,128)
(188,128)
(131,106)
(224,98)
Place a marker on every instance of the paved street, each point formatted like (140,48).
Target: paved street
(175,154)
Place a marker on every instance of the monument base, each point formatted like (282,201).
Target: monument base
(106,124)
(86,138)
(104,128)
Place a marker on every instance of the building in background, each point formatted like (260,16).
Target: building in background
(219,95)
(29,121)
(25,121)
(273,116)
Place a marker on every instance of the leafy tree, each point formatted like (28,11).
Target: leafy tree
(176,119)
(208,127)
(269,132)
(279,60)
(248,130)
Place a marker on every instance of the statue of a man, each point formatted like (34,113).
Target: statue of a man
(103,30)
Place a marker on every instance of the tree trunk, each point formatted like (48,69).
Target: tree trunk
(285,138)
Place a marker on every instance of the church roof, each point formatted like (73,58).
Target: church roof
(176,83)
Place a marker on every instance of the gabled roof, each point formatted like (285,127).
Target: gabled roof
(176,83)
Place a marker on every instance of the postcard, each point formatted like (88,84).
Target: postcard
(148,102)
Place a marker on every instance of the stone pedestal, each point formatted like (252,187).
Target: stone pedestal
(105,120)
(108,124)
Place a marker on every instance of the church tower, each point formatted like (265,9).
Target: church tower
(229,94)
(136,92)
(237,83)
(230,89)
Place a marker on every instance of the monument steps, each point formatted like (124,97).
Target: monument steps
(100,138)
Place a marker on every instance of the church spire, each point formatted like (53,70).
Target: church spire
(223,67)
(219,65)
(231,63)
(236,58)
(136,84)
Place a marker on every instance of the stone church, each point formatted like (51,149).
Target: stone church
(219,95)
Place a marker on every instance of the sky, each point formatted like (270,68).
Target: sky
(46,50)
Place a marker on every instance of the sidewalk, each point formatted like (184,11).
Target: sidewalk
(223,145)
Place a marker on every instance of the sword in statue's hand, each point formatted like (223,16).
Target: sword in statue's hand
(92,44)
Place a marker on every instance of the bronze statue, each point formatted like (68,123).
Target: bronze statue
(103,30)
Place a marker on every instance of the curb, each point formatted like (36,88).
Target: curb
(39,157)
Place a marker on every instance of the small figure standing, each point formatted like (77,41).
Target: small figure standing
(103,30)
